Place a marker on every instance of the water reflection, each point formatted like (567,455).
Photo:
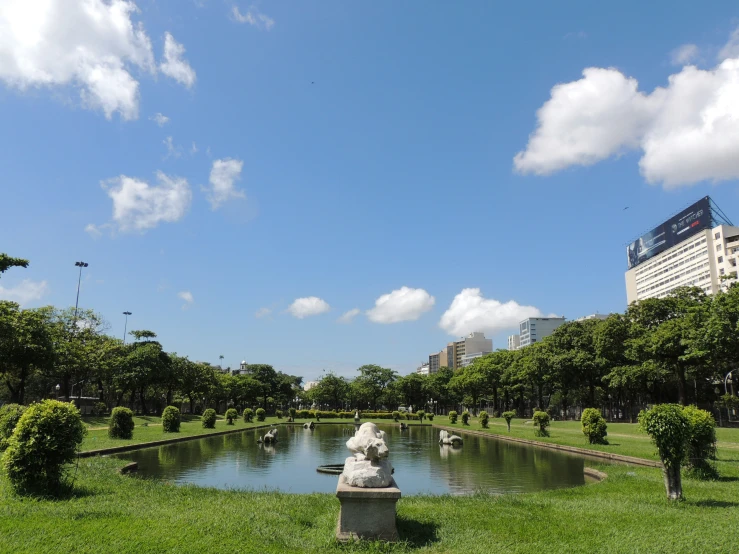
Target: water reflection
(421,464)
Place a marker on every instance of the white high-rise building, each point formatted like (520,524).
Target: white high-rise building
(514,342)
(423,369)
(697,247)
(534,329)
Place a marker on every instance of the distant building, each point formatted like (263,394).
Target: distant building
(593,316)
(467,358)
(534,329)
(423,369)
(514,342)
(309,385)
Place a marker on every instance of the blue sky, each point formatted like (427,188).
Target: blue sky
(349,153)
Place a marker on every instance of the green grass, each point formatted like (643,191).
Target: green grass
(626,513)
(97,439)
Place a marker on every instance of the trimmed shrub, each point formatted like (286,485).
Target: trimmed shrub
(100,408)
(9,416)
(508,416)
(541,423)
(120,424)
(465,417)
(430,416)
(279,414)
(420,414)
(291,412)
(171,419)
(231,414)
(396,415)
(304,414)
(452,417)
(44,441)
(248,415)
(261,414)
(208,419)
(484,418)
(670,431)
(594,426)
(701,444)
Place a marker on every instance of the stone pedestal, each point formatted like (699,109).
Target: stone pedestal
(367,513)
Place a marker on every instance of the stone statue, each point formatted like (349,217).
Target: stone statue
(369,466)
(270,437)
(356,416)
(310,425)
(403,426)
(446,438)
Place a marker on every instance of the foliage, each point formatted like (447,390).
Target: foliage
(248,415)
(508,416)
(396,415)
(484,418)
(465,417)
(261,414)
(452,417)
(100,408)
(6,262)
(594,426)
(702,443)
(208,419)
(44,441)
(279,414)
(430,416)
(171,419)
(9,416)
(120,425)
(420,414)
(230,415)
(541,423)
(292,412)
(669,428)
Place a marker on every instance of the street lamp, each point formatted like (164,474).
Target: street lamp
(57,388)
(79,279)
(125,326)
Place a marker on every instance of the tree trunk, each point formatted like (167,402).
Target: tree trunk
(682,386)
(192,403)
(540,396)
(564,405)
(495,399)
(142,399)
(673,482)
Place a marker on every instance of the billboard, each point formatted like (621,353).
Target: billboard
(673,231)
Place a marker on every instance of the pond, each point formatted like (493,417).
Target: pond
(422,466)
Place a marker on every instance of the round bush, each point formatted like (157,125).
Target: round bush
(508,416)
(208,419)
(248,415)
(292,412)
(171,419)
(279,414)
(9,416)
(44,441)
(261,414)
(120,425)
(430,416)
(231,414)
(100,408)
(452,417)
(594,426)
(541,422)
(465,417)
(670,431)
(484,418)
(421,414)
(702,442)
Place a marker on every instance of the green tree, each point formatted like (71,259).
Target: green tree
(6,262)
(332,390)
(374,380)
(470,381)
(411,390)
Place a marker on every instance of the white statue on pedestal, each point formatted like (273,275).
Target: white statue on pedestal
(369,466)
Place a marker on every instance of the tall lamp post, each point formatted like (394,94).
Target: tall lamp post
(79,280)
(125,326)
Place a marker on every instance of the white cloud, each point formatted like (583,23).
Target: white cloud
(306,307)
(174,65)
(223,174)
(684,54)
(93,230)
(403,304)
(160,119)
(138,206)
(731,48)
(688,131)
(25,292)
(186,295)
(253,17)
(91,45)
(172,150)
(348,317)
(194,148)
(470,311)
(262,312)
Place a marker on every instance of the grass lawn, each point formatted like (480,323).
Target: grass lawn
(626,513)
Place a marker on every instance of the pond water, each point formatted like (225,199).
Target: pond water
(422,466)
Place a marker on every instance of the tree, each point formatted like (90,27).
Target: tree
(411,390)
(194,380)
(470,381)
(6,262)
(670,431)
(375,380)
(332,390)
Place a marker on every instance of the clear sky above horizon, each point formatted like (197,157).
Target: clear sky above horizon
(321,185)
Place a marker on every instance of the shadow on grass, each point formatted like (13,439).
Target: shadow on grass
(415,533)
(725,479)
(715,504)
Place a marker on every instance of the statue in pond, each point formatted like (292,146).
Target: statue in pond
(310,426)
(446,438)
(270,437)
(403,426)
(369,466)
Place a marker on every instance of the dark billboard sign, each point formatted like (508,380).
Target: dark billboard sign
(673,231)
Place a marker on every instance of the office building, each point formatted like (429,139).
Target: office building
(696,248)
(593,316)
(468,358)
(534,329)
(423,369)
(453,355)
(514,342)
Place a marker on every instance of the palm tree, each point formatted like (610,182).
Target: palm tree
(221,358)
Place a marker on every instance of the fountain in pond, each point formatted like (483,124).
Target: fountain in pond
(366,489)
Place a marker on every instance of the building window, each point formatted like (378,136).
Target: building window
(717,236)
(721,271)
(720,259)
(718,248)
